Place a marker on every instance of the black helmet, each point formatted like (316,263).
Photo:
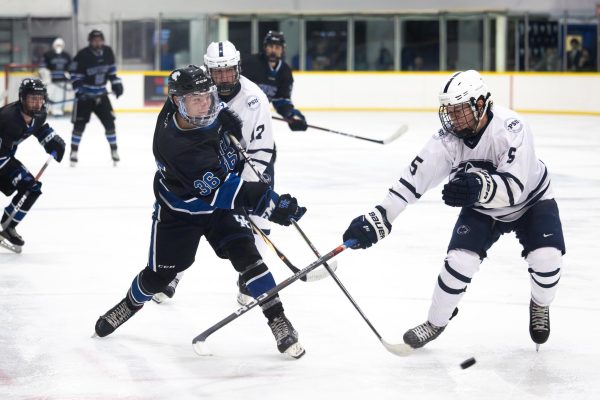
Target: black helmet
(274,37)
(194,79)
(189,79)
(94,34)
(33,86)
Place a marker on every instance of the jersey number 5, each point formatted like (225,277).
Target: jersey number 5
(413,165)
(511,154)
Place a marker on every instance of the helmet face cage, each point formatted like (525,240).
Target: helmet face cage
(223,63)
(33,87)
(199,108)
(461,119)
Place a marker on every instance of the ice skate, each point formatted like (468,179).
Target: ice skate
(115,156)
(539,324)
(243,297)
(74,159)
(167,292)
(11,240)
(286,336)
(422,334)
(114,318)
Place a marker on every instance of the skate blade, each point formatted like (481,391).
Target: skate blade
(244,300)
(73,164)
(537,347)
(296,350)
(115,163)
(12,247)
(160,297)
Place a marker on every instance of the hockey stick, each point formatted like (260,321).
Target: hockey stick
(241,150)
(401,131)
(312,276)
(198,343)
(400,349)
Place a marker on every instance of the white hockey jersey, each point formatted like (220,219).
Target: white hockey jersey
(505,150)
(253,107)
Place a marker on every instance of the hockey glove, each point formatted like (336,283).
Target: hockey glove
(465,189)
(83,95)
(296,120)
(231,123)
(53,144)
(368,229)
(117,87)
(279,209)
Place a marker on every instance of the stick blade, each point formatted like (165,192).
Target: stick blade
(321,272)
(400,349)
(201,348)
(401,131)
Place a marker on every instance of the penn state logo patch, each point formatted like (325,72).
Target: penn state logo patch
(253,102)
(463,229)
(513,125)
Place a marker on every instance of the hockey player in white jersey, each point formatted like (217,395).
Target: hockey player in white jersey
(248,101)
(487,154)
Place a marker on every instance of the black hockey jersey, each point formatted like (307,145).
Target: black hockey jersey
(277,83)
(197,168)
(91,69)
(57,64)
(13,130)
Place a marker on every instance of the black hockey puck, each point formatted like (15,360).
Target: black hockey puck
(467,363)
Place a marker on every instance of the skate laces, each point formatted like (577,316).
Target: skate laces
(120,314)
(539,317)
(280,327)
(426,331)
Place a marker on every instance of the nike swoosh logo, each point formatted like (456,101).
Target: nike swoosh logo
(547,234)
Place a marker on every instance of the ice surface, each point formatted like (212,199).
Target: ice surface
(88,236)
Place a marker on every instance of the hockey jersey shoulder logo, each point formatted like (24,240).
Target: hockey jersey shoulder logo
(513,125)
(253,102)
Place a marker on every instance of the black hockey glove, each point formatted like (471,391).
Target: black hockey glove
(296,120)
(279,209)
(117,88)
(368,229)
(231,123)
(464,189)
(53,144)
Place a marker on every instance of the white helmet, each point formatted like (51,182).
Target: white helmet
(58,45)
(223,56)
(462,92)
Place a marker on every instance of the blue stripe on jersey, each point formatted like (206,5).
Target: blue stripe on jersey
(398,194)
(511,198)
(511,176)
(112,69)
(411,188)
(190,206)
(281,102)
(227,192)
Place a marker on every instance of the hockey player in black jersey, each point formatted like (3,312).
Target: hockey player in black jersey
(198,193)
(18,121)
(274,76)
(92,67)
(54,73)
